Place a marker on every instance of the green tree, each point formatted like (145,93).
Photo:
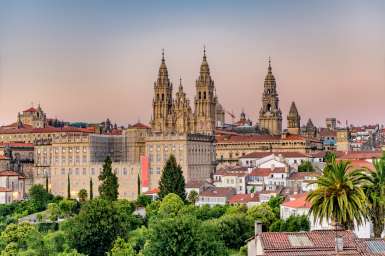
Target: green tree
(82,195)
(329,156)
(143,201)
(275,204)
(95,228)
(182,235)
(68,186)
(375,192)
(170,205)
(109,185)
(306,166)
(263,213)
(39,197)
(67,207)
(53,211)
(121,248)
(234,229)
(172,180)
(339,195)
(15,237)
(91,189)
(193,197)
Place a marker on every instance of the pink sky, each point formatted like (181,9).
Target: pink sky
(330,61)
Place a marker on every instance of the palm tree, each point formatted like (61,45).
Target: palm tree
(375,192)
(339,195)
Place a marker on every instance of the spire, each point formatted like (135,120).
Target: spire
(205,66)
(293,109)
(269,79)
(163,73)
(180,85)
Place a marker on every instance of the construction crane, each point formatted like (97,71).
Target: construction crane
(231,115)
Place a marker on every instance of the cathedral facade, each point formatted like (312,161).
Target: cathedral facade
(174,115)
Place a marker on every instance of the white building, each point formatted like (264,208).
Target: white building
(302,181)
(267,178)
(12,187)
(232,177)
(278,159)
(215,196)
(298,205)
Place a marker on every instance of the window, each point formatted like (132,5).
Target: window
(84,171)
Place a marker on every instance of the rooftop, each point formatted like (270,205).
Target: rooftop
(284,154)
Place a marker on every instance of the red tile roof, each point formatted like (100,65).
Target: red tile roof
(244,198)
(8,173)
(231,171)
(256,138)
(140,126)
(16,144)
(31,109)
(195,184)
(218,192)
(264,172)
(302,175)
(319,242)
(288,154)
(2,189)
(297,201)
(152,191)
(361,155)
(49,129)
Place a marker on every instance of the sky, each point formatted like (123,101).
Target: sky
(89,60)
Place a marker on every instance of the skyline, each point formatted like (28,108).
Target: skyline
(111,55)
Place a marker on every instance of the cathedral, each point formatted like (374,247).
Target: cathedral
(174,115)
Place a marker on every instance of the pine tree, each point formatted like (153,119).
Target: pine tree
(172,180)
(68,186)
(91,189)
(108,188)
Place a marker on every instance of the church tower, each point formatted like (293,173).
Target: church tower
(270,116)
(162,117)
(293,120)
(205,100)
(182,111)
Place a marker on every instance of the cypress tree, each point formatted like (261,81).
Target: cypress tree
(172,180)
(108,188)
(138,185)
(46,183)
(68,186)
(91,189)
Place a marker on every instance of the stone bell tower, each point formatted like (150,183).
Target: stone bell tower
(162,103)
(293,120)
(270,115)
(205,100)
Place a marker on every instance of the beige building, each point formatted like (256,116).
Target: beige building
(32,117)
(195,153)
(80,156)
(343,140)
(270,115)
(230,147)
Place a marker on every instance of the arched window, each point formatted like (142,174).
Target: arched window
(204,95)
(162,97)
(200,96)
(268,107)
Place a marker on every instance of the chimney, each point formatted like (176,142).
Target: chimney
(339,244)
(272,167)
(249,170)
(257,227)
